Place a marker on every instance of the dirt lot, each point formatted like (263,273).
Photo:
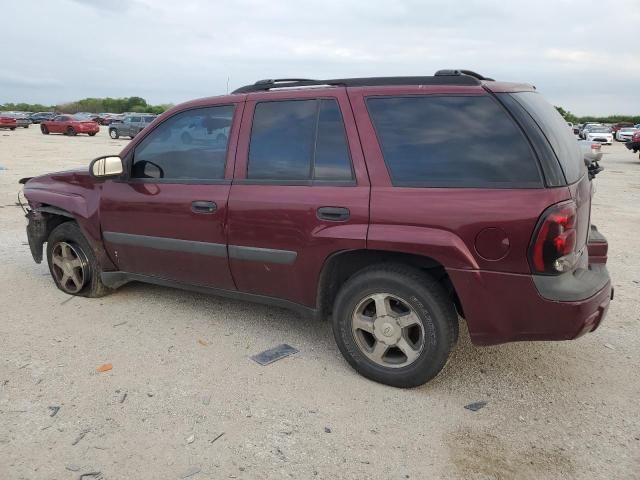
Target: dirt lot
(555,410)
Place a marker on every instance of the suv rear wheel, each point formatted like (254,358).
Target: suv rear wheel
(72,264)
(395,324)
(113,133)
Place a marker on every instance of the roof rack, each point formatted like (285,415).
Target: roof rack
(442,77)
(470,73)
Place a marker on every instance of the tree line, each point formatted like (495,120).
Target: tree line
(93,105)
(570,117)
(140,105)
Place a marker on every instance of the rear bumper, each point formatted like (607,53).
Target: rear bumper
(503,307)
(506,307)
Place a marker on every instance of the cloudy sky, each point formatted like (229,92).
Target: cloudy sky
(583,55)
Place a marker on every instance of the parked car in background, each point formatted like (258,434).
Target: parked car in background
(576,129)
(130,125)
(69,125)
(585,128)
(592,151)
(41,116)
(7,121)
(600,134)
(22,119)
(624,134)
(617,126)
(327,199)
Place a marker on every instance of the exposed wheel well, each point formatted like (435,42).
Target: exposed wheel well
(42,224)
(343,265)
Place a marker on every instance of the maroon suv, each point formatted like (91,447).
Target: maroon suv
(390,205)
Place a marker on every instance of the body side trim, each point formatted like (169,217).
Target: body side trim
(170,244)
(256,254)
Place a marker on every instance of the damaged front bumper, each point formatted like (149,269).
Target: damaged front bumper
(36,233)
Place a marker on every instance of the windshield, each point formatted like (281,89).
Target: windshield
(600,130)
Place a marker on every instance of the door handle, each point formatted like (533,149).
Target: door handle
(203,206)
(333,214)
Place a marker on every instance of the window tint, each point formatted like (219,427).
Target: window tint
(136,119)
(282,138)
(148,119)
(561,139)
(299,140)
(452,141)
(189,145)
(332,161)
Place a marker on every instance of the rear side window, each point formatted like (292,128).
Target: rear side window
(452,141)
(554,128)
(299,140)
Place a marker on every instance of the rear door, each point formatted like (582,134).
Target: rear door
(300,192)
(166,219)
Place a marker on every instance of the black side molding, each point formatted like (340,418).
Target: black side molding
(266,255)
(169,244)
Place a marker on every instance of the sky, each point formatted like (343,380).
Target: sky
(582,55)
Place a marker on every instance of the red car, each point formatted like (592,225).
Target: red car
(8,122)
(68,125)
(392,206)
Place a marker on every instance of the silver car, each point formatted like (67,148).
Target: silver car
(130,125)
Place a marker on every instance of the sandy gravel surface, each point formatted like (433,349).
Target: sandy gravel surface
(555,410)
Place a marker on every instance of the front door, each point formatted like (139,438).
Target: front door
(166,219)
(300,192)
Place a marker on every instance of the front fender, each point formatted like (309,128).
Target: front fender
(78,200)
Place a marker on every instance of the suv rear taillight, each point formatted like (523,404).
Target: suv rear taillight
(554,241)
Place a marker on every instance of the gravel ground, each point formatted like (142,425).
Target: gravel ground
(182,376)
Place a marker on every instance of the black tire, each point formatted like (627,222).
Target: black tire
(71,131)
(44,129)
(92,134)
(69,232)
(113,133)
(12,128)
(25,126)
(429,302)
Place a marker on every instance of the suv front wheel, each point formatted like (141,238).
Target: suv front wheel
(395,325)
(72,263)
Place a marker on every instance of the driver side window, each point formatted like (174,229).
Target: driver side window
(191,145)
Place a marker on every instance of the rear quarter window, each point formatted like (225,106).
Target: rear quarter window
(553,126)
(452,141)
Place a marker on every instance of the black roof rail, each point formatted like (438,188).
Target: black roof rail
(438,79)
(457,72)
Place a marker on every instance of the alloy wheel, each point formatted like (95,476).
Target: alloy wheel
(387,330)
(69,266)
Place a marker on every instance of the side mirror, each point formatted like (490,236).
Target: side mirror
(107,166)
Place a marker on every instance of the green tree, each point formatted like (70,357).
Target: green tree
(567,115)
